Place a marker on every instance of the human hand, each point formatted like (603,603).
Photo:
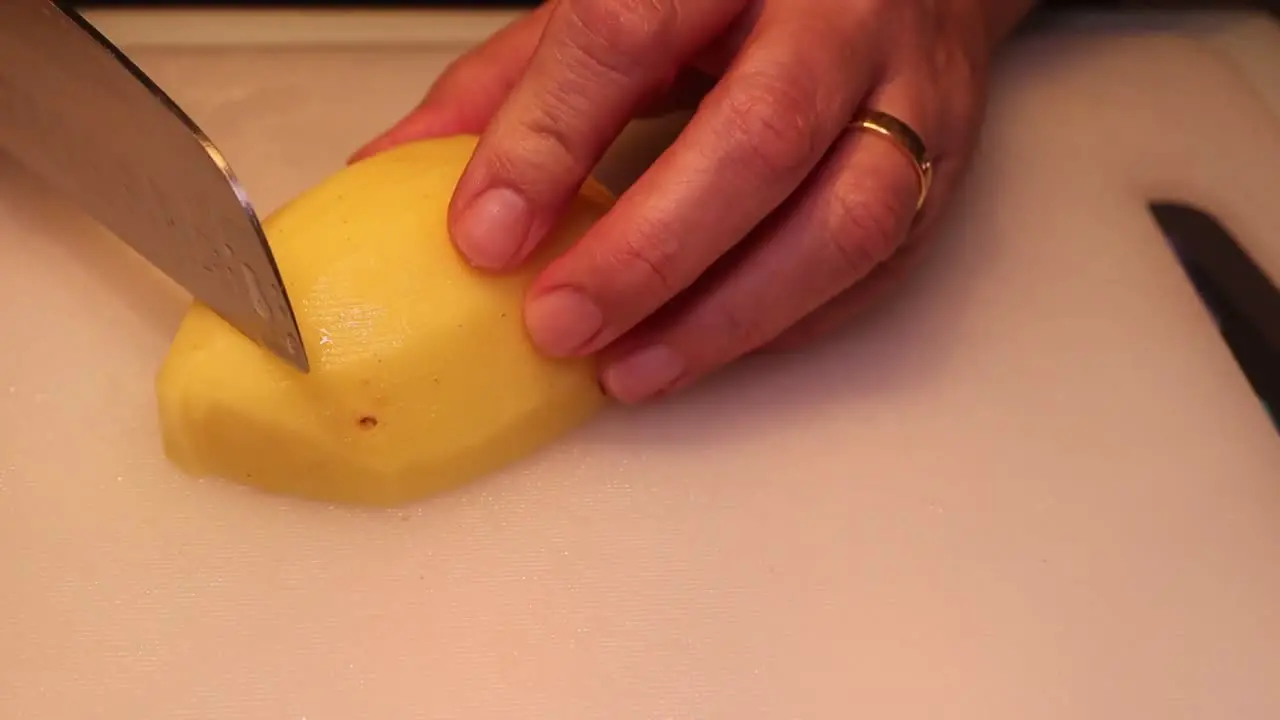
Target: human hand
(768,221)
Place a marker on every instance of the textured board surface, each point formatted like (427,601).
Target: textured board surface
(1033,485)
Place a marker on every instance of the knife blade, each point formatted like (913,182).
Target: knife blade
(1243,300)
(80,115)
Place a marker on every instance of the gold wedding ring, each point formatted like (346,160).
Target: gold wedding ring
(908,141)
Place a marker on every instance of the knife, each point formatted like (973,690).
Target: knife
(1244,302)
(85,119)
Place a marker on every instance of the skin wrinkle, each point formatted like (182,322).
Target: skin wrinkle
(561,102)
(653,248)
(625,33)
(768,217)
(720,160)
(773,125)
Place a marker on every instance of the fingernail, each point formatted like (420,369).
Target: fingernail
(493,228)
(644,374)
(562,321)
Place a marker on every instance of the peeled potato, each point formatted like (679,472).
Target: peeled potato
(422,376)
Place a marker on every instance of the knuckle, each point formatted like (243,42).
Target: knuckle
(552,141)
(535,165)
(773,126)
(543,142)
(648,262)
(867,228)
(739,331)
(620,35)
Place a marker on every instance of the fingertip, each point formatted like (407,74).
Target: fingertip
(491,229)
(644,374)
(563,322)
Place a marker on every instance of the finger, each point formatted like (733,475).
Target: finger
(851,216)
(470,90)
(887,277)
(598,60)
(958,138)
(750,144)
(715,57)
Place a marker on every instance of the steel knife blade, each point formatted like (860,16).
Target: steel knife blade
(80,115)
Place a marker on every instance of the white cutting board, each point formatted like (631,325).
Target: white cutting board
(1032,486)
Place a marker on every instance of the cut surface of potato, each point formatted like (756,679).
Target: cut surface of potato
(422,375)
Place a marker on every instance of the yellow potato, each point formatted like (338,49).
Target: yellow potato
(422,376)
